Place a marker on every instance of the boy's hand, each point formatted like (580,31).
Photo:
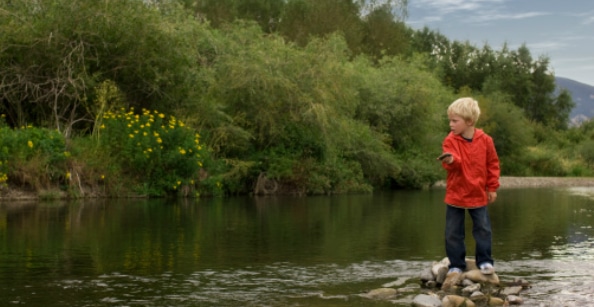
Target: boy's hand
(492,196)
(446,157)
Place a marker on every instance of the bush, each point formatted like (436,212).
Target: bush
(32,157)
(158,152)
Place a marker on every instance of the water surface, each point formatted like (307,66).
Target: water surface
(281,251)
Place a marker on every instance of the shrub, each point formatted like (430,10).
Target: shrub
(158,152)
(32,157)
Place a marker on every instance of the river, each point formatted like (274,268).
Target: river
(281,251)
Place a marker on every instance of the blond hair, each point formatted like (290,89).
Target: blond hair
(467,108)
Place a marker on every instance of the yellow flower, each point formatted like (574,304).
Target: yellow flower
(182,151)
(131,136)
(161,115)
(102,177)
(178,182)
(159,140)
(68,175)
(30,144)
(102,126)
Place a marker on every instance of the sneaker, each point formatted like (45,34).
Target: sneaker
(487,268)
(454,270)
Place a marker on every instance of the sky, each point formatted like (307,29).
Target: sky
(563,31)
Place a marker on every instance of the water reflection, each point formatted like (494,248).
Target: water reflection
(315,251)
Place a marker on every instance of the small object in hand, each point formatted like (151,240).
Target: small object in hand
(444,155)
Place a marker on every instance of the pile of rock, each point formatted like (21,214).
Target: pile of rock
(471,288)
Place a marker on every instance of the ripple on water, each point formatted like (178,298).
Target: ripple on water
(582,191)
(565,280)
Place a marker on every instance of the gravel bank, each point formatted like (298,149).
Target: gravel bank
(537,182)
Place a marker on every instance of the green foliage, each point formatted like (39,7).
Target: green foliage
(32,157)
(383,36)
(312,97)
(407,108)
(587,152)
(304,19)
(543,161)
(512,133)
(527,82)
(159,151)
(55,52)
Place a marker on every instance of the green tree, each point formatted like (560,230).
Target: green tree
(383,34)
(56,52)
(528,82)
(303,19)
(219,12)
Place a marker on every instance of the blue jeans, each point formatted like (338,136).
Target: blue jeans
(455,233)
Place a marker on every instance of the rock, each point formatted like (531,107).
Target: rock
(381,294)
(495,301)
(467,282)
(425,300)
(512,290)
(478,297)
(515,300)
(471,289)
(445,261)
(427,275)
(456,301)
(520,282)
(477,276)
(471,264)
(438,266)
(441,275)
(395,284)
(452,280)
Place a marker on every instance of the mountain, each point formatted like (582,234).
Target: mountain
(583,96)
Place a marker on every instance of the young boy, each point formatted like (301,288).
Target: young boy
(472,167)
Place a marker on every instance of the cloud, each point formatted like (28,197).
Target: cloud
(483,17)
(474,10)
(444,7)
(588,20)
(546,46)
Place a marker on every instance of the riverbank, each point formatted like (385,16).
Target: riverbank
(539,182)
(506,182)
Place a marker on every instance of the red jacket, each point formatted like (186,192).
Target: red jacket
(475,170)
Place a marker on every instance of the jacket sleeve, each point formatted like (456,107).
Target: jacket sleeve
(449,146)
(493,170)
